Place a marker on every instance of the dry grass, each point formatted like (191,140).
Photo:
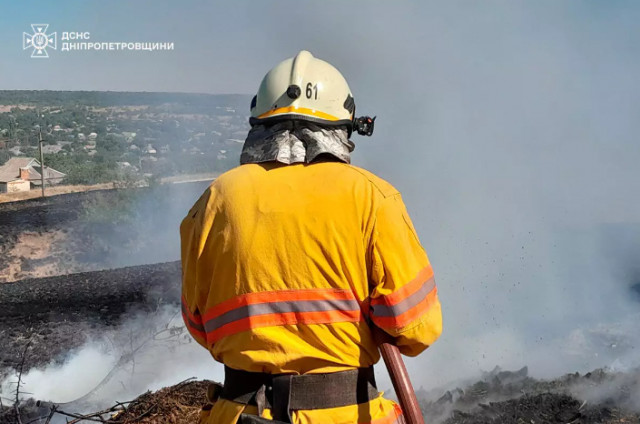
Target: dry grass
(52,191)
(7,108)
(38,247)
(189,178)
(179,404)
(66,189)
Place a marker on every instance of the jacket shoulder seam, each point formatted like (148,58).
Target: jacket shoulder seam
(386,194)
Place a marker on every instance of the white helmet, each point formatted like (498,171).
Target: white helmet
(304,88)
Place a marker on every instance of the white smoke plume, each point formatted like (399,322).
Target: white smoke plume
(145,352)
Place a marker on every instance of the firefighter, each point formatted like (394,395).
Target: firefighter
(296,262)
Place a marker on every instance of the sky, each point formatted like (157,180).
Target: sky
(510,127)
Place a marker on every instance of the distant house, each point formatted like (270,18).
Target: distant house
(15,151)
(129,136)
(51,148)
(20,174)
(123,165)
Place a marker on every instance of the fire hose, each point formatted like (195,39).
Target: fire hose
(402,384)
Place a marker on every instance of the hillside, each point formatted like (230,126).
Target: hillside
(99,137)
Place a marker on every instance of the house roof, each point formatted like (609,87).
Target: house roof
(10,171)
(49,174)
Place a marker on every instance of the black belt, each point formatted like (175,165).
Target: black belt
(285,392)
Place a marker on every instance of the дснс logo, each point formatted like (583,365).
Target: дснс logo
(39,40)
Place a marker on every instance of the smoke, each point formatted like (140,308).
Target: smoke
(130,227)
(145,352)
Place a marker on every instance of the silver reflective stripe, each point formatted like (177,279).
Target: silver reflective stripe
(247,311)
(185,314)
(381,310)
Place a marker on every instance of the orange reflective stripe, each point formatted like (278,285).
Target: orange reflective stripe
(407,303)
(407,290)
(193,322)
(299,111)
(286,307)
(289,318)
(195,318)
(195,332)
(398,321)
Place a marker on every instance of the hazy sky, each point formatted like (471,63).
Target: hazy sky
(511,128)
(223,47)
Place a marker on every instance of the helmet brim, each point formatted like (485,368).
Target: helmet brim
(300,117)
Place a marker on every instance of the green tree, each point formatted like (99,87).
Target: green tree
(4,156)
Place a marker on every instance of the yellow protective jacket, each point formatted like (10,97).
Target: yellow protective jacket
(287,268)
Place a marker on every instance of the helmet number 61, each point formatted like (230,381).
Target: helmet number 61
(312,91)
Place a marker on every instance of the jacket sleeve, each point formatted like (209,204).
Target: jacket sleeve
(404,298)
(193,232)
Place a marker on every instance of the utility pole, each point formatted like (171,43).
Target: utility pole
(11,129)
(40,140)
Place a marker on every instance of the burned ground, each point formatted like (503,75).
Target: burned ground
(58,314)
(507,397)
(545,408)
